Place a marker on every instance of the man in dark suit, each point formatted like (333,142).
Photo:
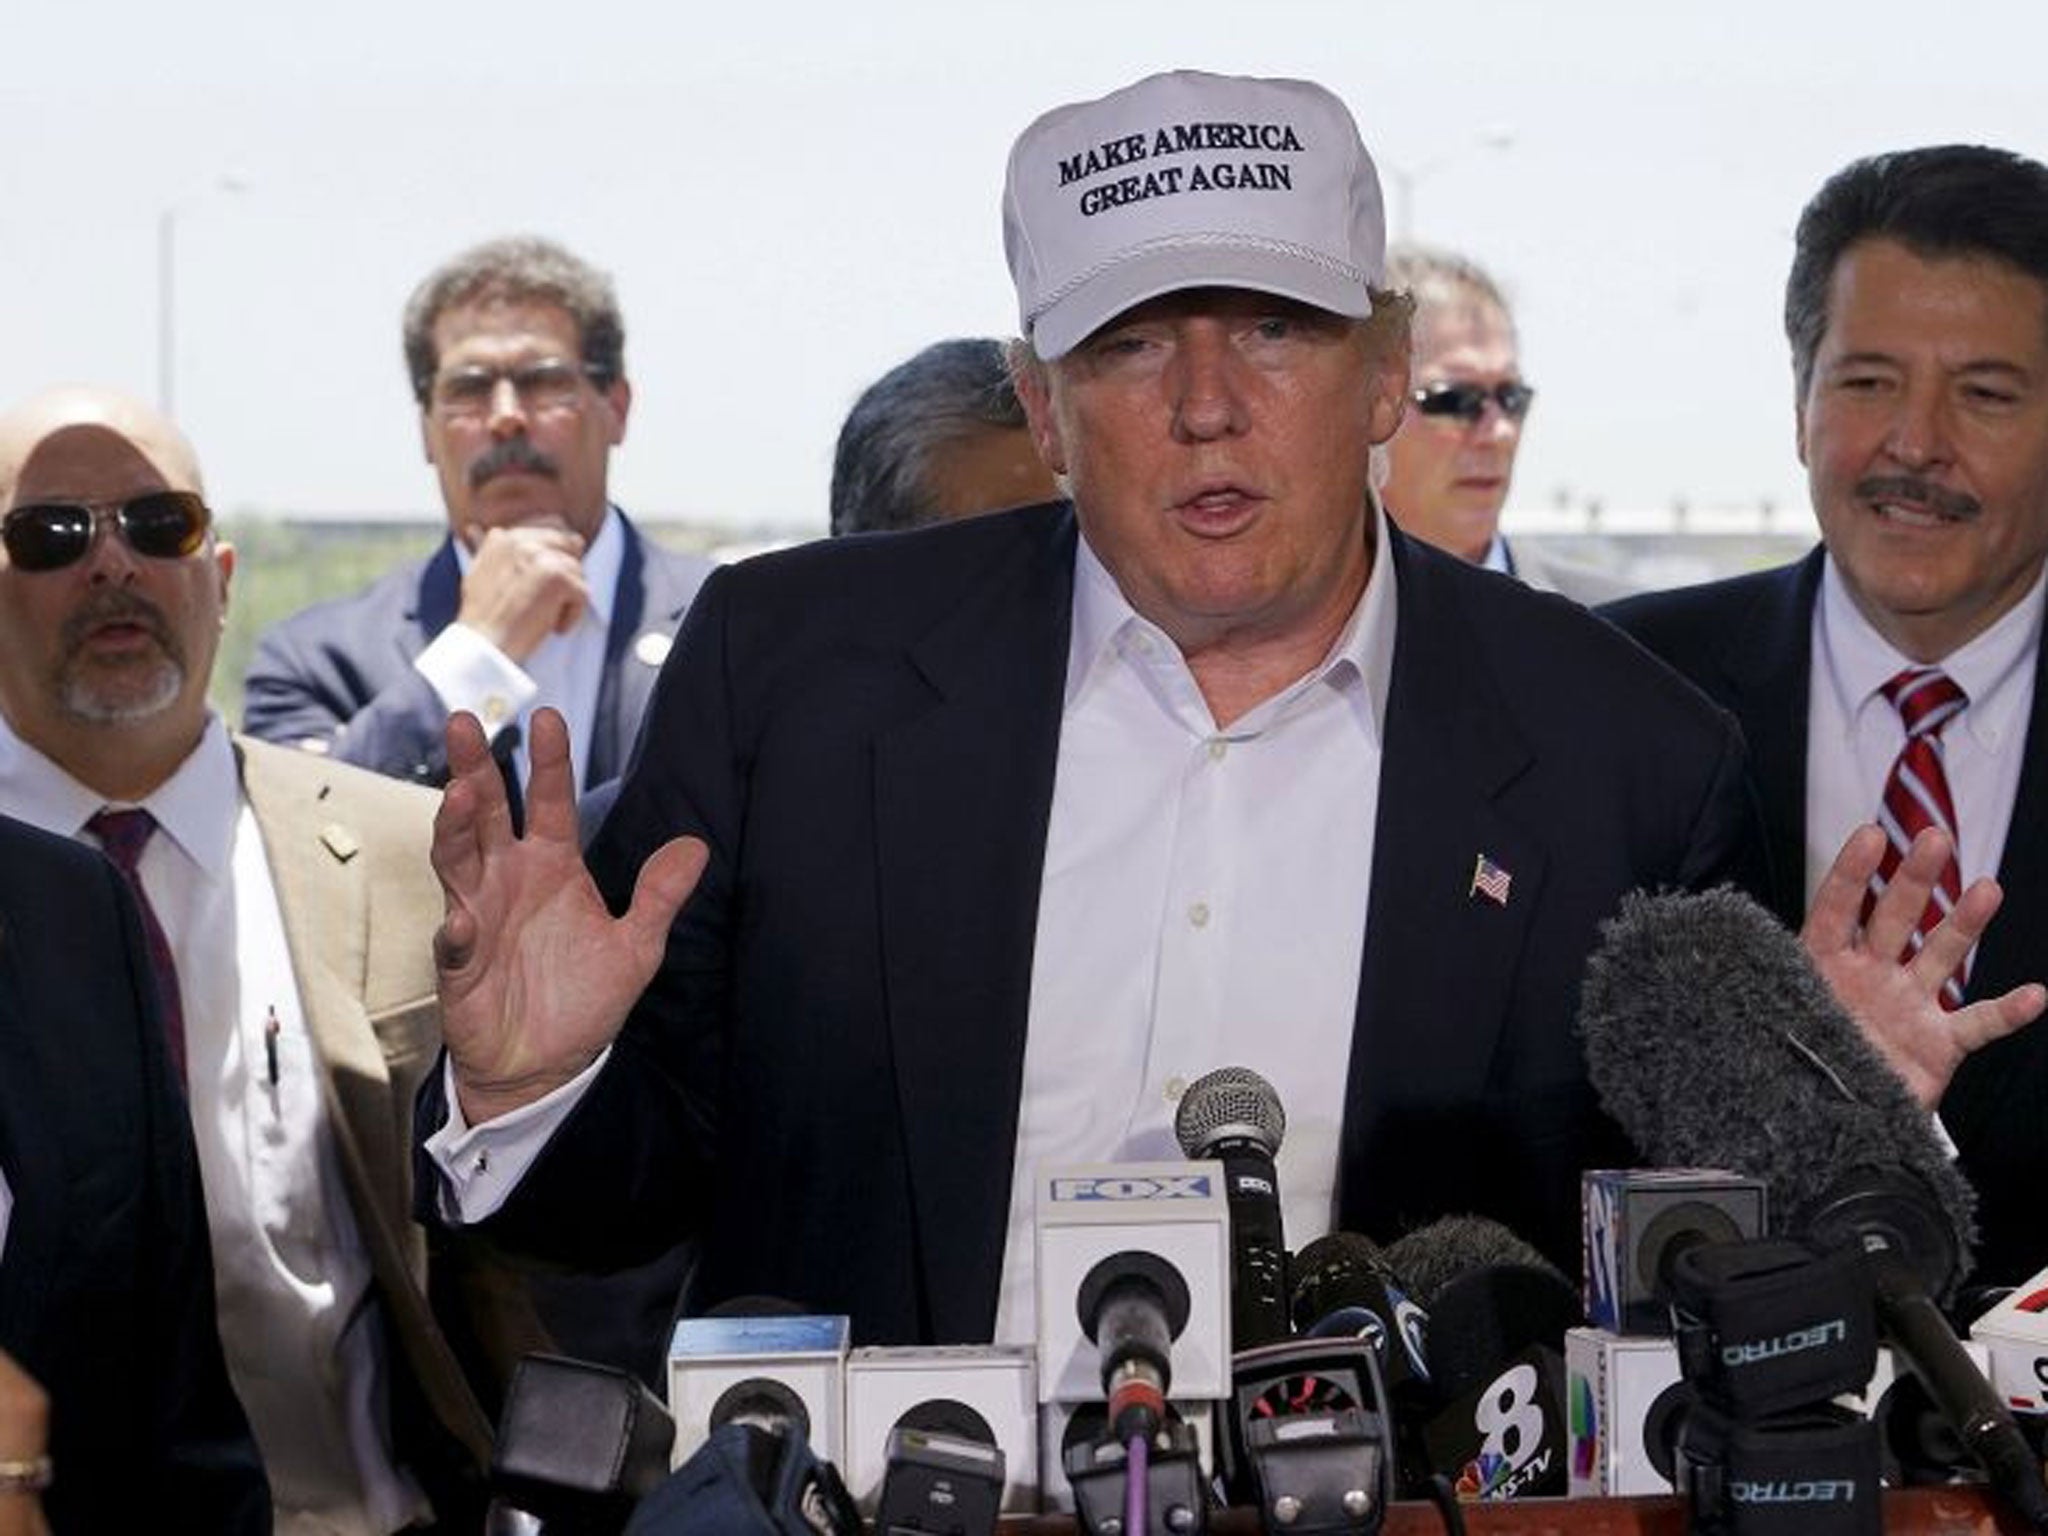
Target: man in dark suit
(543,592)
(1917,310)
(1003,831)
(106,1290)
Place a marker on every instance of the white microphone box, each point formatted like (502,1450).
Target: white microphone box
(1631,1214)
(1611,1381)
(2015,1333)
(1057,1494)
(1174,1210)
(999,1382)
(709,1356)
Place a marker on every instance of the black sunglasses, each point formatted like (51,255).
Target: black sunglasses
(1467,402)
(49,535)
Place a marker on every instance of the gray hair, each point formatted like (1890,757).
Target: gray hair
(518,267)
(1436,276)
(949,391)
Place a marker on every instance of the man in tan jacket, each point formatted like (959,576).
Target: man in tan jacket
(287,910)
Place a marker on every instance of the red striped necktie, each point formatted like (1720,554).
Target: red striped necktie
(123,835)
(1916,796)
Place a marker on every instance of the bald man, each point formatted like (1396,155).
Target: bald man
(287,903)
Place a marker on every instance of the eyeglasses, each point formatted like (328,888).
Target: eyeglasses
(1467,402)
(550,385)
(47,536)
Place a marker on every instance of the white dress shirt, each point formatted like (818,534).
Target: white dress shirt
(1220,875)
(1854,734)
(304,1341)
(467,672)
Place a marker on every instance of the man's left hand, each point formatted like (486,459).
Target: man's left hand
(1895,999)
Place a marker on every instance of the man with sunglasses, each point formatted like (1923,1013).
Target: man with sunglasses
(1895,673)
(283,898)
(1452,462)
(543,591)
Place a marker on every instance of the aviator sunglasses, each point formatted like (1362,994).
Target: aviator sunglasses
(1467,402)
(49,535)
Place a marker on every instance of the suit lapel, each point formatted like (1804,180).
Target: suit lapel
(623,686)
(962,797)
(323,897)
(2011,951)
(31,1157)
(1426,1029)
(440,592)
(1767,662)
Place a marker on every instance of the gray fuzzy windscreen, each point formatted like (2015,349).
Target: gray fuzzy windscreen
(1431,1257)
(1714,1043)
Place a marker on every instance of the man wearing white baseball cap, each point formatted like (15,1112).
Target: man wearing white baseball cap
(995,835)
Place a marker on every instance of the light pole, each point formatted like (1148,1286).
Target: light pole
(1405,179)
(167,294)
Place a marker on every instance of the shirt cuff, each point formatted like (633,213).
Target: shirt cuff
(467,672)
(1946,1142)
(482,1164)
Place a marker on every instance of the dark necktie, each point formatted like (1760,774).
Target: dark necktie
(1916,797)
(124,834)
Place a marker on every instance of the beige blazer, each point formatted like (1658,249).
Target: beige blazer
(348,853)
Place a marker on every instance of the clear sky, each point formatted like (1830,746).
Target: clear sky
(793,196)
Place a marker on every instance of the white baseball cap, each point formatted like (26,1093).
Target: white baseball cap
(1189,180)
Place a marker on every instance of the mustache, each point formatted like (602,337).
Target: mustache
(1920,493)
(511,455)
(116,607)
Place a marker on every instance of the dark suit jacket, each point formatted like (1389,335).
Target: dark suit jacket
(341,672)
(106,1289)
(823,1080)
(1748,642)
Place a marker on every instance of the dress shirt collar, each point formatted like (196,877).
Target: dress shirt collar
(1363,652)
(1858,661)
(602,562)
(1498,557)
(196,806)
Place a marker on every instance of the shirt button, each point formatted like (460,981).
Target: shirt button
(1198,914)
(496,708)
(1175,1087)
(1217,747)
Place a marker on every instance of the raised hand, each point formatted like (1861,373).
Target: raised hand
(536,975)
(1897,1002)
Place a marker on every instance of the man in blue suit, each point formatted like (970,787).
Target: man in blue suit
(996,835)
(106,1289)
(543,593)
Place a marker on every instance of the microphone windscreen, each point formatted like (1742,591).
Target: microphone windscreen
(1714,1043)
(1431,1257)
(1229,1103)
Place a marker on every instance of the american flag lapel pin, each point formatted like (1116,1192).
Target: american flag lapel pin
(1490,880)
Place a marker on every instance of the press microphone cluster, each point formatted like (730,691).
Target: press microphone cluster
(1713,1043)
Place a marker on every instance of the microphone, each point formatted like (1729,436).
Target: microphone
(1344,1287)
(1712,1042)
(1498,1313)
(945,1474)
(1233,1116)
(1132,1306)
(578,1444)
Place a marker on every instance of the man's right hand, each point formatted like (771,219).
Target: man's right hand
(524,583)
(536,975)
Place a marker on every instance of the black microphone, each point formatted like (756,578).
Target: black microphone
(1498,1312)
(1345,1288)
(1234,1116)
(945,1474)
(578,1445)
(1713,1042)
(1132,1307)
